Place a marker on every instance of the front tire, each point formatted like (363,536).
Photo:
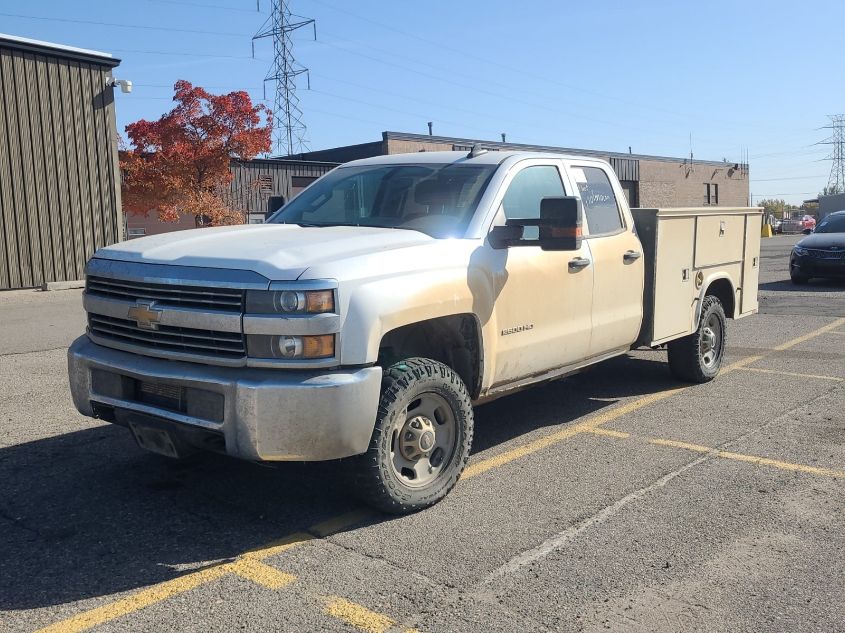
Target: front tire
(421,441)
(797,279)
(698,357)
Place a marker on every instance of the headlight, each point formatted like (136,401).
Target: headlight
(289,301)
(286,347)
(798,250)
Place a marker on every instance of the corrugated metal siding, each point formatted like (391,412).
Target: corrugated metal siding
(245,188)
(626,168)
(59,196)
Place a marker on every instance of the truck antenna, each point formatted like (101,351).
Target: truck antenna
(476,150)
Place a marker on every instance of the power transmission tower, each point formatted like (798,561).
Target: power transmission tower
(836,182)
(288,126)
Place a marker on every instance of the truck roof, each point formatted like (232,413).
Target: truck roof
(488,158)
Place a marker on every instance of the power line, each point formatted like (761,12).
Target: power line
(203,6)
(121,26)
(521,70)
(185,54)
(288,126)
(836,181)
(787,178)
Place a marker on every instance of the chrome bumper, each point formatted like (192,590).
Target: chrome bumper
(267,414)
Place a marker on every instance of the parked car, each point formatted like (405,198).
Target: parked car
(804,224)
(821,254)
(370,313)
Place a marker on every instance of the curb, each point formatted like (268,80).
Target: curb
(63,285)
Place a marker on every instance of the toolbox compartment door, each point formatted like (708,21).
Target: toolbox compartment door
(751,264)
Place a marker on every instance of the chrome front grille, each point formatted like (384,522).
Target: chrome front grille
(203,298)
(168,339)
(819,253)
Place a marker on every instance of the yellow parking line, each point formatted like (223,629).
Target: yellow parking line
(590,424)
(169,588)
(360,617)
(246,566)
(675,444)
(774,463)
(608,433)
(809,335)
(752,459)
(341,522)
(261,573)
(145,598)
(792,373)
(279,546)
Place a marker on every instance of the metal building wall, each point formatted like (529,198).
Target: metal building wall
(250,190)
(59,187)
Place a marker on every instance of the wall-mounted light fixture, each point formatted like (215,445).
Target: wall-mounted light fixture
(124,84)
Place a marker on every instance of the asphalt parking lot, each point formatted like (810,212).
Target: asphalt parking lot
(618,499)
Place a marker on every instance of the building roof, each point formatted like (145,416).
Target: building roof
(487,158)
(406,136)
(57,50)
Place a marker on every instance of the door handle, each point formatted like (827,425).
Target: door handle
(631,256)
(578,263)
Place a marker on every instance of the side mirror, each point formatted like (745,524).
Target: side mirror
(560,224)
(559,227)
(504,236)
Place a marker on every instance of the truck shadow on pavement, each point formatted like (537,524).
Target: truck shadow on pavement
(88,514)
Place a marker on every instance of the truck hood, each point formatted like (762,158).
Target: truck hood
(280,252)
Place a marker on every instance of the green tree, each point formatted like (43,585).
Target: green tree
(773,206)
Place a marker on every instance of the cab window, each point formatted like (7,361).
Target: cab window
(526,192)
(601,209)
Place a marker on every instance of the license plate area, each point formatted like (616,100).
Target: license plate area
(154,440)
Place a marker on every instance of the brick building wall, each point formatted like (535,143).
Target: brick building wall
(679,184)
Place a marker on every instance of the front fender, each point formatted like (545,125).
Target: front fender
(376,307)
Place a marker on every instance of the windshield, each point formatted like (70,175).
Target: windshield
(832,224)
(438,200)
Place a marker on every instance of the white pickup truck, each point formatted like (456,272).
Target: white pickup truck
(370,314)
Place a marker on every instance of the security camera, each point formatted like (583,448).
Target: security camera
(125,85)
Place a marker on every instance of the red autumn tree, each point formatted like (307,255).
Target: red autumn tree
(180,164)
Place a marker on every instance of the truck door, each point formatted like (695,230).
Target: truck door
(617,254)
(542,310)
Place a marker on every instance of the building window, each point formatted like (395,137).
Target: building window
(138,232)
(711,193)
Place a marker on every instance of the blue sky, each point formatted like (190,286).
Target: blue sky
(600,75)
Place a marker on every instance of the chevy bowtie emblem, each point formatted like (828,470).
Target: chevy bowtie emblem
(144,314)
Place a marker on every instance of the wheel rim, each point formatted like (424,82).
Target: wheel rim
(424,441)
(711,341)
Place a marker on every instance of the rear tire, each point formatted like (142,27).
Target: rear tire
(698,357)
(421,441)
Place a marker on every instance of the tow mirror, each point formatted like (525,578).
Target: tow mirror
(559,227)
(560,224)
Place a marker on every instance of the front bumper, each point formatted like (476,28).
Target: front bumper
(817,267)
(264,414)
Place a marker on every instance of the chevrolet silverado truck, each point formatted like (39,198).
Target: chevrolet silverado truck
(369,315)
